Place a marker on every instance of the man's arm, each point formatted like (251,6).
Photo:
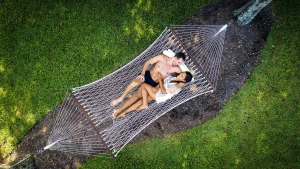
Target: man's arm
(177,69)
(149,62)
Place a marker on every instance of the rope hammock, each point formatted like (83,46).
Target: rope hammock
(84,123)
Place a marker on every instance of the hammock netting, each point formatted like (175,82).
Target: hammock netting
(84,123)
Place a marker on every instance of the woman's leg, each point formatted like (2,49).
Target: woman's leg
(148,100)
(127,103)
(135,106)
(131,108)
(132,85)
(148,94)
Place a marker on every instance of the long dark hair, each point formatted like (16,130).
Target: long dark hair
(188,77)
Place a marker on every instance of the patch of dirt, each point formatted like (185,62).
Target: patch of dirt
(242,48)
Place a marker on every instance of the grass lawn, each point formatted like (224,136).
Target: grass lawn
(258,128)
(50,46)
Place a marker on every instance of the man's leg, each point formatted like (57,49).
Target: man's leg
(132,85)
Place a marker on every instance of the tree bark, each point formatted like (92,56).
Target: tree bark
(246,13)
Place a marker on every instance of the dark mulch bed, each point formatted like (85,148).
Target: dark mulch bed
(242,48)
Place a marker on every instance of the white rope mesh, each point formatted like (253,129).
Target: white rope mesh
(84,124)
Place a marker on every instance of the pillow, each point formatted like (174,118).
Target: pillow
(169,53)
(184,68)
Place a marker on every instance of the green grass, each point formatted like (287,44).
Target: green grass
(47,47)
(258,128)
(50,46)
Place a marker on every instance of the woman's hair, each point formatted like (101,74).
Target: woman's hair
(188,77)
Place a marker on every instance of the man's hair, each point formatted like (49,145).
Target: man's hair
(180,55)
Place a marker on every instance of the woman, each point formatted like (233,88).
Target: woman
(160,93)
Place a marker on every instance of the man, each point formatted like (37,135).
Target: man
(163,65)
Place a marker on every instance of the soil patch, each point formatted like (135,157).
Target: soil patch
(242,48)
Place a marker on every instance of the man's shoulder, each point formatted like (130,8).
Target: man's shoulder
(177,69)
(160,57)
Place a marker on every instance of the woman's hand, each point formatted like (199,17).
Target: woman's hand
(173,89)
(154,90)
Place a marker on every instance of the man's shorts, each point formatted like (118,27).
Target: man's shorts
(149,80)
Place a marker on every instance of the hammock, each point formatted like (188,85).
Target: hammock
(84,123)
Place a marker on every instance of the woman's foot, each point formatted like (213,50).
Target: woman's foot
(142,107)
(121,115)
(114,102)
(115,113)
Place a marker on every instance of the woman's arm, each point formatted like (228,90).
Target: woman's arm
(177,86)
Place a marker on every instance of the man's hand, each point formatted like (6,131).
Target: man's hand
(141,78)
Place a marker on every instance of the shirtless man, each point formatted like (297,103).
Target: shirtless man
(163,65)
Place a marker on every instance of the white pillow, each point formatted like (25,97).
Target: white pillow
(169,53)
(183,67)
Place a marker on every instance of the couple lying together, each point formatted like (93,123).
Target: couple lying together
(160,83)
